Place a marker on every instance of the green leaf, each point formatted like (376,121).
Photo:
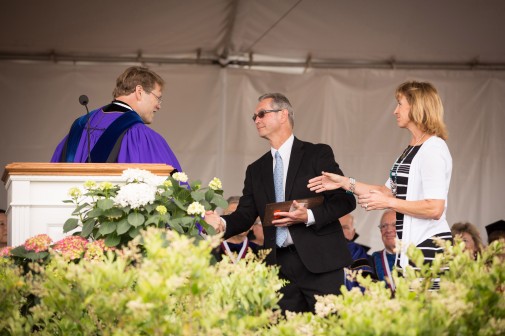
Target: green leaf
(123,226)
(180,204)
(152,220)
(134,233)
(219,201)
(70,224)
(112,240)
(113,213)
(21,252)
(136,219)
(194,231)
(196,184)
(208,228)
(209,195)
(36,255)
(149,207)
(206,205)
(68,201)
(175,225)
(87,227)
(198,195)
(79,208)
(168,193)
(95,212)
(107,228)
(183,195)
(105,204)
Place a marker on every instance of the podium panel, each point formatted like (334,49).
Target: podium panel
(36,191)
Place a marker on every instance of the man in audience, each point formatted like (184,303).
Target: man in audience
(236,247)
(361,261)
(385,260)
(350,233)
(495,231)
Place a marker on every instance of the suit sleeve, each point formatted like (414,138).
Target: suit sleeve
(243,218)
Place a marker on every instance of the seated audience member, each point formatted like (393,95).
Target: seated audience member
(256,234)
(350,233)
(470,235)
(236,247)
(3,228)
(495,231)
(118,132)
(384,260)
(360,259)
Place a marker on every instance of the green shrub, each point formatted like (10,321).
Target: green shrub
(165,284)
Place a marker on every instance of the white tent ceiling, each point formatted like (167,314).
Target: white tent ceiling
(323,33)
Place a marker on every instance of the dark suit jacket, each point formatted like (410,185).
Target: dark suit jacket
(322,246)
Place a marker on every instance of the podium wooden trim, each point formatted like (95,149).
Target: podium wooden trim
(36,191)
(81,169)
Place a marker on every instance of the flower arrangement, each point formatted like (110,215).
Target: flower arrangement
(69,248)
(117,213)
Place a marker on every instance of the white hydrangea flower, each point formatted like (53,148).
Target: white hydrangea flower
(135,195)
(141,175)
(181,177)
(215,184)
(196,208)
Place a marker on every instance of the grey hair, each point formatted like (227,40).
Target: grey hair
(233,199)
(280,101)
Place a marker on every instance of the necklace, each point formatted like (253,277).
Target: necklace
(393,175)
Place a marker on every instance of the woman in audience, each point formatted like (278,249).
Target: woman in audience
(470,235)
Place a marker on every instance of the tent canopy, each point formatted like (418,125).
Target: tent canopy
(322,33)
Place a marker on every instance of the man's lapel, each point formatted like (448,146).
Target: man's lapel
(295,161)
(267,177)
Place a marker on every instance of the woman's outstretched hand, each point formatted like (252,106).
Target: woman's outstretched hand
(327,181)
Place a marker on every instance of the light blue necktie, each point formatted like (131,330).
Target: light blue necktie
(282,232)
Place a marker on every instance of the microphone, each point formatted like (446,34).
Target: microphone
(84,100)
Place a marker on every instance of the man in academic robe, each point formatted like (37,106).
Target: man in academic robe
(384,260)
(307,244)
(118,132)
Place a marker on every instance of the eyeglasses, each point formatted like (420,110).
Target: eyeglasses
(262,113)
(160,100)
(385,226)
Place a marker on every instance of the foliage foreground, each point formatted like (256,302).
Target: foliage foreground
(164,283)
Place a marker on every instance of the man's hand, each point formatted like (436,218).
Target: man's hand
(297,215)
(212,218)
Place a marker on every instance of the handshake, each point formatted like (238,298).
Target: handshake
(277,214)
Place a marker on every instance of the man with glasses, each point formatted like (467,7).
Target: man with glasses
(307,244)
(385,260)
(118,132)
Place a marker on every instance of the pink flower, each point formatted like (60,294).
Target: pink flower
(71,247)
(39,243)
(5,252)
(95,250)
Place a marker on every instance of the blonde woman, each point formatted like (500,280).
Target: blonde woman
(419,179)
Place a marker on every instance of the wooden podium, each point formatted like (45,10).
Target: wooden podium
(36,190)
